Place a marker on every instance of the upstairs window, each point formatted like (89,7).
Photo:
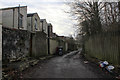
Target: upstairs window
(21,21)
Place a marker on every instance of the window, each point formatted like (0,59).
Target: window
(21,21)
(35,24)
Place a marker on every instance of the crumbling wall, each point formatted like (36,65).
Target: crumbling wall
(15,45)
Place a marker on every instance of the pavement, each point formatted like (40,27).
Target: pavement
(67,66)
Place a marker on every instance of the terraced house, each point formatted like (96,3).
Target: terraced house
(15,17)
(33,22)
(44,25)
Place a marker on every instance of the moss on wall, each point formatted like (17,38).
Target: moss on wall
(15,44)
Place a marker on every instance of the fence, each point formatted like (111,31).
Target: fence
(104,47)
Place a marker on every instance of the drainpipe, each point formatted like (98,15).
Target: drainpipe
(31,37)
(31,23)
(48,41)
(18,17)
(42,25)
(13,17)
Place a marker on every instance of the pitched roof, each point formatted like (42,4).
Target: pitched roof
(30,14)
(42,19)
(12,7)
(49,24)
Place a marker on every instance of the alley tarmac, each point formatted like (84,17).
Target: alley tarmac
(69,65)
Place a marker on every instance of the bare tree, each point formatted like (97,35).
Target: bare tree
(110,15)
(87,14)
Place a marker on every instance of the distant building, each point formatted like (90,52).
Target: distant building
(54,35)
(44,25)
(50,30)
(33,22)
(62,38)
(15,17)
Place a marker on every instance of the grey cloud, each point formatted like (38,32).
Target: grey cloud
(52,10)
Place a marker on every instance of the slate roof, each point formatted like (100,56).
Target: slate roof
(30,14)
(12,7)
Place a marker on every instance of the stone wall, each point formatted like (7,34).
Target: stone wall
(15,45)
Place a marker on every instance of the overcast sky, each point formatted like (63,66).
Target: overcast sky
(51,10)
